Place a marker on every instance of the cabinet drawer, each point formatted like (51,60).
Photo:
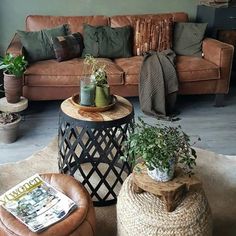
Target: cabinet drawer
(228,36)
(225,18)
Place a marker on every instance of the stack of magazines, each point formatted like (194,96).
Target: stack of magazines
(36,203)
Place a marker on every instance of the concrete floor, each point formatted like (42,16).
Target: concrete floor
(216,126)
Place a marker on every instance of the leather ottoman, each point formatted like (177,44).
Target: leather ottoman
(80,222)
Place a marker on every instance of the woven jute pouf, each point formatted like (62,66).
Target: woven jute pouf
(145,214)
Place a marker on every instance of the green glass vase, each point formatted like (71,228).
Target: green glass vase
(102,95)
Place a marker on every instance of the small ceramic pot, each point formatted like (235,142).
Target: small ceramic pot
(162,175)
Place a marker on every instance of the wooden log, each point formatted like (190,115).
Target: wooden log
(171,192)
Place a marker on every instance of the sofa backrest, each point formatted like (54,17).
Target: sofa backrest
(150,31)
(122,20)
(38,22)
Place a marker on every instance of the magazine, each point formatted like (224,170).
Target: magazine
(36,203)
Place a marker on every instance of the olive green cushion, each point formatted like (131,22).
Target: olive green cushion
(38,45)
(188,38)
(105,41)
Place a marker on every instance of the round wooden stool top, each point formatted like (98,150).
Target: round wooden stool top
(13,107)
(121,109)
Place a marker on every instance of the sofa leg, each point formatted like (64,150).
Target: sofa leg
(220,100)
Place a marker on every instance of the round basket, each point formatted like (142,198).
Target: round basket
(145,214)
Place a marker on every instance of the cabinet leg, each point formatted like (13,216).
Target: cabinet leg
(219,100)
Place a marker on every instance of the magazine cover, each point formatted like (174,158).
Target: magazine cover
(36,203)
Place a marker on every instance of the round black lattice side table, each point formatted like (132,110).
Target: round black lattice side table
(90,146)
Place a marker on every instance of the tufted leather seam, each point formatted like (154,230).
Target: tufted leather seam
(90,226)
(8,230)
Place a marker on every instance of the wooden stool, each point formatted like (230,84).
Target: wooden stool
(13,107)
(145,214)
(170,192)
(79,222)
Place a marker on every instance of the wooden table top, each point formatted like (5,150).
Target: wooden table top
(120,110)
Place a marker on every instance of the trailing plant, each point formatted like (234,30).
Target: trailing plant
(98,71)
(158,146)
(7,118)
(13,65)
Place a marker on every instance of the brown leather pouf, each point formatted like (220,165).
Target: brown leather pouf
(80,222)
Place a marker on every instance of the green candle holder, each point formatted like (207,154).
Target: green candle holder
(87,91)
(102,96)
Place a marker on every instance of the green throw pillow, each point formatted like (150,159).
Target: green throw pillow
(38,44)
(188,38)
(105,41)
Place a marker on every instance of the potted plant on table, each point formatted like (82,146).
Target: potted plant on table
(13,67)
(161,148)
(98,76)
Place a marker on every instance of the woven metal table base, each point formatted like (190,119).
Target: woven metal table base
(94,143)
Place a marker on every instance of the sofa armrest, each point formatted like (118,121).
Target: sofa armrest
(15,47)
(219,53)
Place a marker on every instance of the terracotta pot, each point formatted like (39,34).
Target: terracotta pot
(13,88)
(9,132)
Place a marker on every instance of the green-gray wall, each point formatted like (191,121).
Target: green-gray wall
(13,12)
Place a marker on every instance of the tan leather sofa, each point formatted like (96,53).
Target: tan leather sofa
(51,80)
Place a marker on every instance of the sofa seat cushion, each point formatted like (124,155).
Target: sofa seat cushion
(131,66)
(192,69)
(66,73)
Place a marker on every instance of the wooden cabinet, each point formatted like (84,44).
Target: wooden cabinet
(223,18)
(221,24)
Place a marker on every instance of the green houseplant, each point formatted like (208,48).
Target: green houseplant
(13,67)
(99,77)
(161,148)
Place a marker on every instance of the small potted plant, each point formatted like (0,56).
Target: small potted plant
(9,126)
(99,77)
(161,148)
(13,67)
